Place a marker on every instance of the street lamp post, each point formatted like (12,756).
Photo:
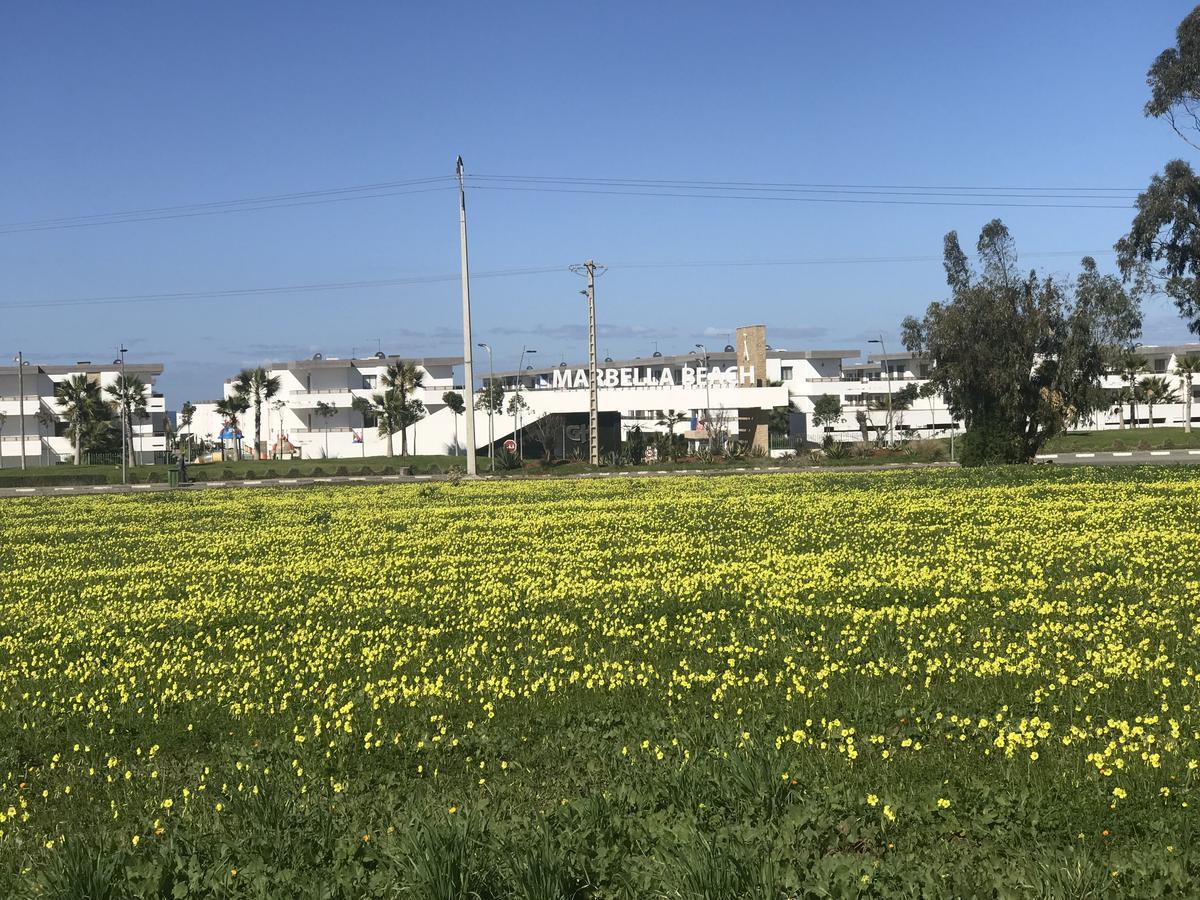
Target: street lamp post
(491,411)
(517,405)
(21,401)
(891,439)
(707,398)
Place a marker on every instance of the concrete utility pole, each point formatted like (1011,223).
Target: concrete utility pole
(468,369)
(124,450)
(590,269)
(21,401)
(491,411)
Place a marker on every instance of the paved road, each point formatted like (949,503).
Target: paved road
(77,490)
(1122,457)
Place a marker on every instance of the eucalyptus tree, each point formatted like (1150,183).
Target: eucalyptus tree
(1018,359)
(1161,251)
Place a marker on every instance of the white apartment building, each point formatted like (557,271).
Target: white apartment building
(1160,362)
(293,424)
(46,441)
(659,385)
(737,387)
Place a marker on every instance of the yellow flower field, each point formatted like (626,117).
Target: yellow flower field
(939,682)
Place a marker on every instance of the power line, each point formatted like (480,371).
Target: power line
(702,189)
(222,207)
(496,273)
(276,289)
(798,199)
(783,184)
(839,260)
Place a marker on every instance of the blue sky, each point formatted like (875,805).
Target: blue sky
(109,107)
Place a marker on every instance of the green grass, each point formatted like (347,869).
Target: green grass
(65,474)
(1123,439)
(936,683)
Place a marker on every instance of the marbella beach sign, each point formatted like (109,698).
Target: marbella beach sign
(648,376)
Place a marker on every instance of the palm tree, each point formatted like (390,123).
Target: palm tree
(1154,389)
(670,419)
(1187,367)
(83,408)
(128,395)
(230,409)
(1130,364)
(326,411)
(187,412)
(454,400)
(402,379)
(45,420)
(257,386)
(386,409)
(1121,396)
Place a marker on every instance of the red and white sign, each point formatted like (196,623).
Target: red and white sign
(510,445)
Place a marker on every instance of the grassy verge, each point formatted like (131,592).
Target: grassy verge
(65,474)
(1123,439)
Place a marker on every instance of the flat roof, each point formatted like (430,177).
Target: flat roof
(361,362)
(812,354)
(95,368)
(1172,349)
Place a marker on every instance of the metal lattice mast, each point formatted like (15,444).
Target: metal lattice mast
(591,270)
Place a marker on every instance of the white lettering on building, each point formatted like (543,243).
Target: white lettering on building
(629,377)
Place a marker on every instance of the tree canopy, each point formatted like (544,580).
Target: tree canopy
(1162,249)
(1015,357)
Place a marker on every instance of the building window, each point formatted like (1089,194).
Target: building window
(785,373)
(1160,366)
(369,381)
